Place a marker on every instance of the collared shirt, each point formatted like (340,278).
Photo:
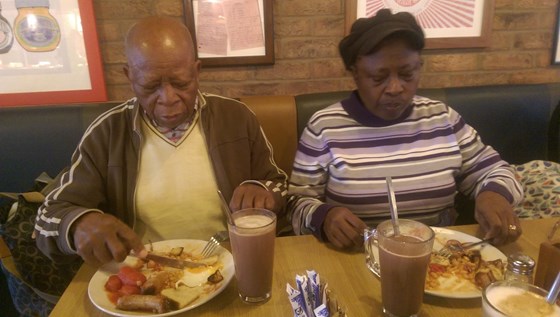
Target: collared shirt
(175,134)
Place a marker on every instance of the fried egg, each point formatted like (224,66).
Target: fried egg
(193,277)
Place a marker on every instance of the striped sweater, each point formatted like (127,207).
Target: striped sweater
(345,153)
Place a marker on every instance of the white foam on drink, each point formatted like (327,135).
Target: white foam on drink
(252,222)
(507,295)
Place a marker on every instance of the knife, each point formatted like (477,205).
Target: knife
(176,263)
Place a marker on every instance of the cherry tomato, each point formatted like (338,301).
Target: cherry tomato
(129,290)
(434,267)
(113,297)
(131,276)
(113,284)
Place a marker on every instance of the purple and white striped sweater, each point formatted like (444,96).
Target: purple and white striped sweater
(345,153)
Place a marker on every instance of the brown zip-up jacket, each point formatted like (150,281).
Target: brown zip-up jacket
(103,171)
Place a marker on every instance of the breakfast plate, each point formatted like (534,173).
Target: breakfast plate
(99,296)
(487,252)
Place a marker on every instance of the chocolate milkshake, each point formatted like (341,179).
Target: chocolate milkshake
(252,244)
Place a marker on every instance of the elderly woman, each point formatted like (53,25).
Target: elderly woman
(384,129)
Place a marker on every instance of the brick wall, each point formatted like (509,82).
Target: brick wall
(306,35)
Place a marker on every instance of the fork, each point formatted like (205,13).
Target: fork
(213,243)
(449,249)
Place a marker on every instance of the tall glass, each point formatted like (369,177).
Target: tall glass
(252,244)
(402,264)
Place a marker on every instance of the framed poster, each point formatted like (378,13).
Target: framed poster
(446,24)
(53,56)
(231,32)
(556,44)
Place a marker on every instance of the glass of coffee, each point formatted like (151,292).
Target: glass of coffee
(401,261)
(513,299)
(252,244)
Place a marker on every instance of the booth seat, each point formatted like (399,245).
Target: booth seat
(519,121)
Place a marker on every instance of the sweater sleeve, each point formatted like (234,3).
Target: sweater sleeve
(306,207)
(80,191)
(482,168)
(264,169)
(65,204)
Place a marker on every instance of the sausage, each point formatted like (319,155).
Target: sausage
(149,303)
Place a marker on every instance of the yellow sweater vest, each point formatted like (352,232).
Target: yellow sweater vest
(176,194)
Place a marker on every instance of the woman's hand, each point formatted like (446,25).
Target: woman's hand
(343,229)
(497,218)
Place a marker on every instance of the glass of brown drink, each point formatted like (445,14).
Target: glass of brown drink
(402,261)
(252,244)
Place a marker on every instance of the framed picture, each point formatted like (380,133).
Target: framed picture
(52,57)
(461,25)
(556,44)
(231,32)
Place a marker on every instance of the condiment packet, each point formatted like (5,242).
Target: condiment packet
(304,288)
(297,301)
(310,297)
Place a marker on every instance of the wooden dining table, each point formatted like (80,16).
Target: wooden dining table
(354,287)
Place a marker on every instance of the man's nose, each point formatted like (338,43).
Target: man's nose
(167,94)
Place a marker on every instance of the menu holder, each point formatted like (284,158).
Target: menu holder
(548,264)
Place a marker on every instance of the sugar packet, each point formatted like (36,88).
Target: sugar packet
(309,297)
(297,301)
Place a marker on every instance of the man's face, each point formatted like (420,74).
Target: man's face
(166,85)
(387,79)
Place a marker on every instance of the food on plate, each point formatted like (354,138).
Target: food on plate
(216,277)
(143,285)
(159,280)
(463,271)
(182,295)
(130,276)
(150,303)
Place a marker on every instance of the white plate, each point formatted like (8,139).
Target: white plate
(487,251)
(98,295)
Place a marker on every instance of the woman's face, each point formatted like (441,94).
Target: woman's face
(387,79)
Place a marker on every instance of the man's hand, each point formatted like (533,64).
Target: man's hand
(253,196)
(343,228)
(497,218)
(101,238)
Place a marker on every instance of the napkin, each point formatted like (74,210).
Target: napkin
(312,298)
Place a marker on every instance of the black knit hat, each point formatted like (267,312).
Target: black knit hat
(367,33)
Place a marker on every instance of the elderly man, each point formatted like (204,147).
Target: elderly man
(149,169)
(347,150)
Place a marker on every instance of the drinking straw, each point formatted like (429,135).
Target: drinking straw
(554,290)
(226,209)
(392,205)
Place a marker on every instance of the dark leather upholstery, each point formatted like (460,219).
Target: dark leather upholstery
(39,139)
(554,135)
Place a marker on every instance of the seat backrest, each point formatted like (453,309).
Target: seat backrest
(277,116)
(554,135)
(36,139)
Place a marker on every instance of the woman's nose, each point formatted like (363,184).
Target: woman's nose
(394,86)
